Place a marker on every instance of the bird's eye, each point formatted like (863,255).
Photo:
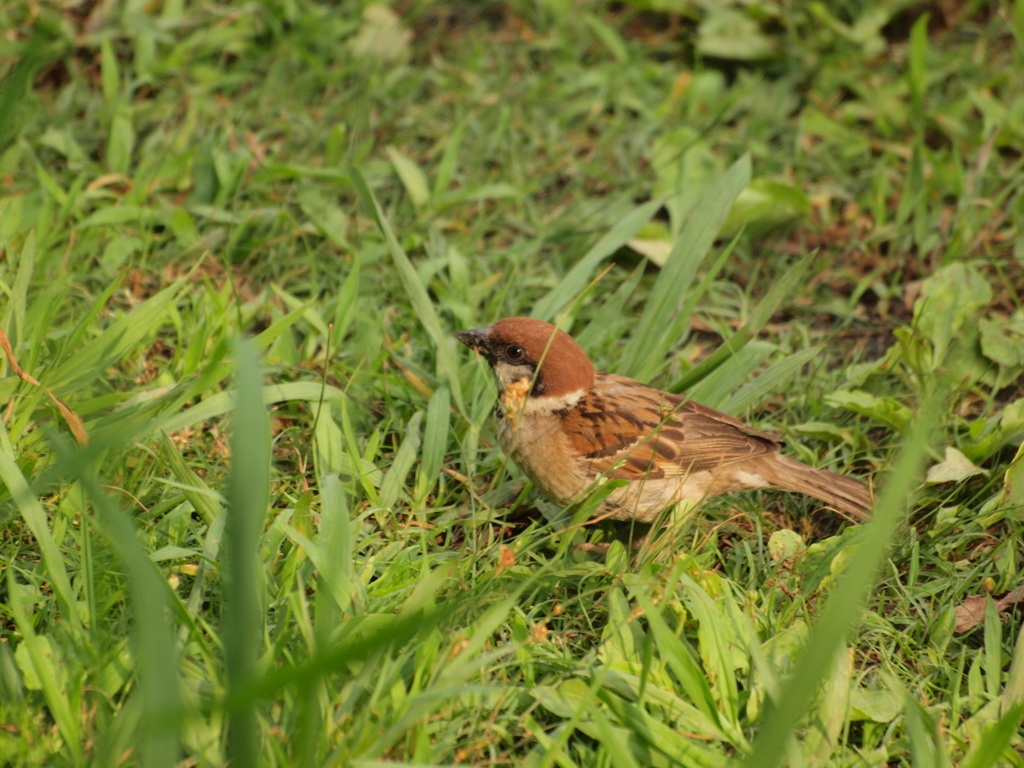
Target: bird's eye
(515,352)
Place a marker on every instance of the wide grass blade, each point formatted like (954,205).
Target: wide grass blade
(577,278)
(846,601)
(990,747)
(334,589)
(783,288)
(682,659)
(774,375)
(435,440)
(92,360)
(196,491)
(670,291)
(715,388)
(154,644)
(248,495)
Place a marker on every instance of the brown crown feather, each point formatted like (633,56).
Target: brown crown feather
(563,366)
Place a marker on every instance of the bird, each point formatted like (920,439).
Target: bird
(569,428)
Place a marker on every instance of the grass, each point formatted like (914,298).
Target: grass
(832,200)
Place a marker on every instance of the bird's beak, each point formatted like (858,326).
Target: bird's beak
(475,338)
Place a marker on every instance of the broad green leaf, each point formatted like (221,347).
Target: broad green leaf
(726,33)
(883,409)
(879,706)
(40,654)
(382,36)
(1002,341)
(949,298)
(765,205)
(954,469)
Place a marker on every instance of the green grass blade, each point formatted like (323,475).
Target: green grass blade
(651,731)
(405,456)
(989,749)
(92,360)
(435,441)
(446,169)
(784,288)
(334,593)
(249,489)
(16,307)
(1013,694)
(731,374)
(154,644)
(196,491)
(682,659)
(670,291)
(416,293)
(34,515)
(774,375)
(223,402)
(577,278)
(845,602)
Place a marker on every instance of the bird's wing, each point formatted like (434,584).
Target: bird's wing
(628,430)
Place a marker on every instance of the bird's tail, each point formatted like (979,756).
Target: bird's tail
(843,493)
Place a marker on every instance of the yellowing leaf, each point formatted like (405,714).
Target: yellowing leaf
(956,468)
(382,35)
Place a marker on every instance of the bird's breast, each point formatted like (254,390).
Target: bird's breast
(542,451)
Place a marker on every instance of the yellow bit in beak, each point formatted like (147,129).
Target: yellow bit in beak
(514,397)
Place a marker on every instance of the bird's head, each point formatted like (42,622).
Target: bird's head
(522,349)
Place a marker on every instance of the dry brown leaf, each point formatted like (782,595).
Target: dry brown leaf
(22,373)
(73,419)
(971,611)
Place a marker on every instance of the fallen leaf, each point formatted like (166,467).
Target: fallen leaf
(956,468)
(382,35)
(971,611)
(785,544)
(655,250)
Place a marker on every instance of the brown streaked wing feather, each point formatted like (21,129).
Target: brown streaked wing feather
(659,434)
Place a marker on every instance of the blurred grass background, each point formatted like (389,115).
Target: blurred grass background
(306,548)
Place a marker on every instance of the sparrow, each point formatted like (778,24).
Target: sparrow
(567,426)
